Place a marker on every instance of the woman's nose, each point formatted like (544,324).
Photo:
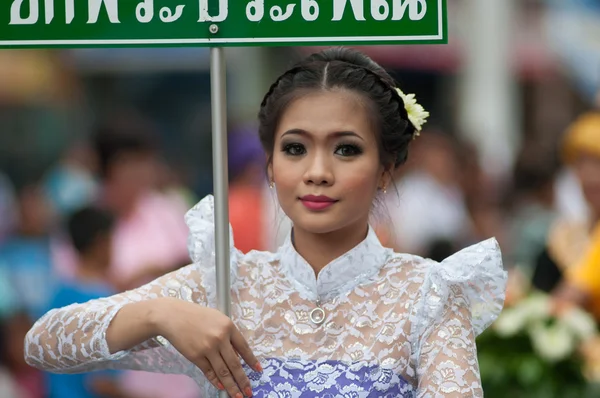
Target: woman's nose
(319,171)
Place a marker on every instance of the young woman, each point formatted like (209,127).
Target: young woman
(332,313)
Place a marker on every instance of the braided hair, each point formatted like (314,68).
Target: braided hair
(342,68)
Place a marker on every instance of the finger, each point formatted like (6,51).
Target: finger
(225,376)
(210,373)
(235,366)
(243,348)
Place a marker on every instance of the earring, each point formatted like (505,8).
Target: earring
(272,184)
(384,189)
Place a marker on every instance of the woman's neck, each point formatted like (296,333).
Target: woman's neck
(321,249)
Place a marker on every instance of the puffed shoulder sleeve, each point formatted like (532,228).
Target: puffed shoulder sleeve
(459,298)
(201,245)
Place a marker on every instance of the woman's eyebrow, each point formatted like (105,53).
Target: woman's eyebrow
(337,134)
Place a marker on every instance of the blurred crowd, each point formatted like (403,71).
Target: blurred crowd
(107,218)
(110,217)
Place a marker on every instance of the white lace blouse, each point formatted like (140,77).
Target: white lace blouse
(374,323)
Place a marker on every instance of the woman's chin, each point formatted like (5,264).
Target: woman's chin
(317,223)
(325,221)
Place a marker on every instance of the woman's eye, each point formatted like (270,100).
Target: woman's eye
(348,150)
(294,149)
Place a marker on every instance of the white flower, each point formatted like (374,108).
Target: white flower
(510,322)
(536,307)
(580,322)
(416,113)
(553,343)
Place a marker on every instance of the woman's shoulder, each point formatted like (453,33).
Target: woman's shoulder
(466,262)
(406,268)
(473,277)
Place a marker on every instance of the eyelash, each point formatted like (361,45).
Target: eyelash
(355,149)
(287,148)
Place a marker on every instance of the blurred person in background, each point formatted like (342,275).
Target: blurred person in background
(569,238)
(17,379)
(246,201)
(150,236)
(90,230)
(255,216)
(581,259)
(8,386)
(430,206)
(26,256)
(7,207)
(482,197)
(172,184)
(570,201)
(533,210)
(71,184)
(582,283)
(8,298)
(480,208)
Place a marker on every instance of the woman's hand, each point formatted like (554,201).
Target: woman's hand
(210,340)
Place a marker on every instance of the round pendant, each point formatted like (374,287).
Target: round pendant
(317,316)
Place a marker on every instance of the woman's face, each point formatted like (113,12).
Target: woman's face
(587,167)
(326,165)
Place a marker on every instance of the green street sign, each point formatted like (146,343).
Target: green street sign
(217,23)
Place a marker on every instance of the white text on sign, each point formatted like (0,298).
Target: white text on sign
(379,10)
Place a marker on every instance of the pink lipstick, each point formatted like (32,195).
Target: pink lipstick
(317,203)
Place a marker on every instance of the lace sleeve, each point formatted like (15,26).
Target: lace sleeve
(73,339)
(460,298)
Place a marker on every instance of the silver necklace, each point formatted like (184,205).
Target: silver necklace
(317,315)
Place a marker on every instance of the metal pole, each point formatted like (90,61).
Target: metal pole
(220,179)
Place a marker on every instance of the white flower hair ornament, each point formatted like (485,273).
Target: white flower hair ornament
(416,113)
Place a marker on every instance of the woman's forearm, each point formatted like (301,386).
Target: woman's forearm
(136,323)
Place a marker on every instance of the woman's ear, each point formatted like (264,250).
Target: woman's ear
(386,176)
(270,171)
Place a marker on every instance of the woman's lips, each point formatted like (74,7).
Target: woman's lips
(320,202)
